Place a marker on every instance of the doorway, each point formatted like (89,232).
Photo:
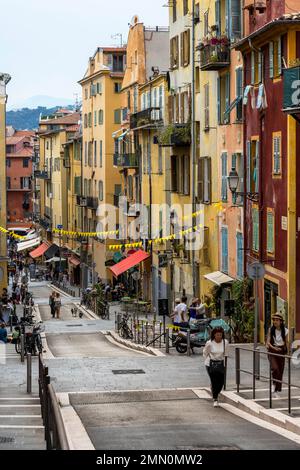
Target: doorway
(271,293)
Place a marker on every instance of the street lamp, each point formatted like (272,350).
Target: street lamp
(233,183)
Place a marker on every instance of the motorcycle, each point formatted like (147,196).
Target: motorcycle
(200,331)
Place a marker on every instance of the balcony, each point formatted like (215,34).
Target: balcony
(92,203)
(81,201)
(127,160)
(214,56)
(146,118)
(44,175)
(45,223)
(175,135)
(67,162)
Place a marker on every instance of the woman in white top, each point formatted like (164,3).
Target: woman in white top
(214,354)
(277,343)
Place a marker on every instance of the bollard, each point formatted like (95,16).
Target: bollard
(22,347)
(29,372)
(146,332)
(167,341)
(257,363)
(160,333)
(188,339)
(237,369)
(142,331)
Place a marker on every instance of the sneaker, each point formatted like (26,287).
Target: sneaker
(216,404)
(275,395)
(273,388)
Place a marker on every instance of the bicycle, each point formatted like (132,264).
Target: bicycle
(125,331)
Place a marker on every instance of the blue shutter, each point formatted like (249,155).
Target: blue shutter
(218,16)
(235,19)
(224,177)
(227,97)
(225,250)
(240,255)
(239,93)
(227,17)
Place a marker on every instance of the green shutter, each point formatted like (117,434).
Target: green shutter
(219,99)
(271,59)
(279,57)
(270,231)
(255,229)
(117,116)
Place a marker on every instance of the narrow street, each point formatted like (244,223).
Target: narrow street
(128,400)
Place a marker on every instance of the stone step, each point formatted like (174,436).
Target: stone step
(22,439)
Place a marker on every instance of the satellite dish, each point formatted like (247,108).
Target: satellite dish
(134,20)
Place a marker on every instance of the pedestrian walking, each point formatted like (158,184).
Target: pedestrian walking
(277,342)
(214,352)
(52,304)
(57,304)
(175,313)
(182,313)
(3,333)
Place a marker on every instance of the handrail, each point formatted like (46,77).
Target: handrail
(61,431)
(256,374)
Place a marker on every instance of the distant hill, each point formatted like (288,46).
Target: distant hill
(26,118)
(38,100)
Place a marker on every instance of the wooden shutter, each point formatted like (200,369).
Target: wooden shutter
(219,99)
(187,172)
(279,63)
(187,46)
(174,186)
(176,53)
(201,179)
(270,231)
(170,108)
(177,119)
(225,250)
(208,162)
(227,97)
(181,118)
(271,59)
(255,229)
(224,177)
(182,49)
(235,18)
(239,93)
(171,54)
(239,255)
(248,167)
(257,166)
(218,16)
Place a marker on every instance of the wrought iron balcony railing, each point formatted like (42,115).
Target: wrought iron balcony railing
(127,160)
(214,57)
(42,174)
(145,118)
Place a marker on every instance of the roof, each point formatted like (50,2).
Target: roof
(14,139)
(25,133)
(65,120)
(129,262)
(284,20)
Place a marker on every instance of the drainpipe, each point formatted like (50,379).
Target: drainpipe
(193,144)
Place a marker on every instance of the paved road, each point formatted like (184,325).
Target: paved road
(170,420)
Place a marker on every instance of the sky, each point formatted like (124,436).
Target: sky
(45,45)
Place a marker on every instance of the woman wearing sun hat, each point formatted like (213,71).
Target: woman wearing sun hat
(277,342)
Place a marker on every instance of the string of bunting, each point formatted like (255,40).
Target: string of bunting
(217,205)
(11,234)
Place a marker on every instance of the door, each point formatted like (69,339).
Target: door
(271,292)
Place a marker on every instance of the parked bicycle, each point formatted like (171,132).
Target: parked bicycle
(32,337)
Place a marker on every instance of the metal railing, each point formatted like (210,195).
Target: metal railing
(214,57)
(126,160)
(67,290)
(256,375)
(55,433)
(146,117)
(92,202)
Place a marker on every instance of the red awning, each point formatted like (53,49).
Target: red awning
(40,250)
(129,262)
(73,260)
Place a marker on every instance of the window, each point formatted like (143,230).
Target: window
(235,21)
(25,162)
(237,163)
(276,146)
(206,106)
(239,255)
(99,88)
(161,102)
(255,229)
(270,231)
(223,98)
(256,67)
(117,116)
(253,166)
(85,187)
(185,48)
(118,63)
(130,186)
(275,58)
(8,162)
(224,233)
(116,146)
(25,182)
(95,153)
(77,185)
(174,52)
(85,153)
(186,174)
(143,102)
(135,99)
(90,153)
(95,118)
(101,190)
(118,87)
(239,93)
(160,163)
(204,180)
(47,144)
(85,122)
(100,117)
(205,18)
(224,177)
(180,169)
(185,7)
(101,153)
(90,120)
(128,100)
(174,3)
